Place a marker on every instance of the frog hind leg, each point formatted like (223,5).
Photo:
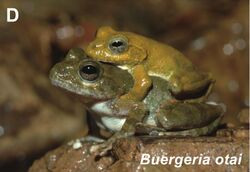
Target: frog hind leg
(206,130)
(193,90)
(189,119)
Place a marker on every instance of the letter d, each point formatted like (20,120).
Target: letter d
(16,16)
(145,158)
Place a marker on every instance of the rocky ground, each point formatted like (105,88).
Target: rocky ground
(127,153)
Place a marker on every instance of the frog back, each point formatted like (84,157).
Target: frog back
(183,76)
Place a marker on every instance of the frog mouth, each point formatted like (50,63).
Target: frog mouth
(90,94)
(69,87)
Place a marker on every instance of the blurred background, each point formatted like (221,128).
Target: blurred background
(36,117)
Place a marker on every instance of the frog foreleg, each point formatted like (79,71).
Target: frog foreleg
(135,113)
(142,83)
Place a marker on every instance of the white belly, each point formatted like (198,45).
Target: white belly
(112,123)
(106,120)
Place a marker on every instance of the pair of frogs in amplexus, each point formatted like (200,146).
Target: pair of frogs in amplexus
(131,84)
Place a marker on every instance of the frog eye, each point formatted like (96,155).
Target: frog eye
(90,71)
(118,45)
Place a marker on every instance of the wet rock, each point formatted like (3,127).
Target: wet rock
(237,133)
(68,158)
(126,155)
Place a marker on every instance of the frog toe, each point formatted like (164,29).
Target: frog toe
(101,149)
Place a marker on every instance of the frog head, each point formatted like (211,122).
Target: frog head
(117,47)
(88,78)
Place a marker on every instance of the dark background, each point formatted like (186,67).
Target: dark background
(36,117)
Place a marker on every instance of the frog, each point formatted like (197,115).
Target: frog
(99,86)
(144,57)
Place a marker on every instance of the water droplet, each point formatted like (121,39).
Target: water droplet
(228,49)
(77,144)
(64,32)
(79,161)
(198,44)
(240,44)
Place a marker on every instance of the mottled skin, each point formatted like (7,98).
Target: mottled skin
(144,57)
(151,116)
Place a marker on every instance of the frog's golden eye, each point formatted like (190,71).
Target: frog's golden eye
(118,45)
(90,71)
